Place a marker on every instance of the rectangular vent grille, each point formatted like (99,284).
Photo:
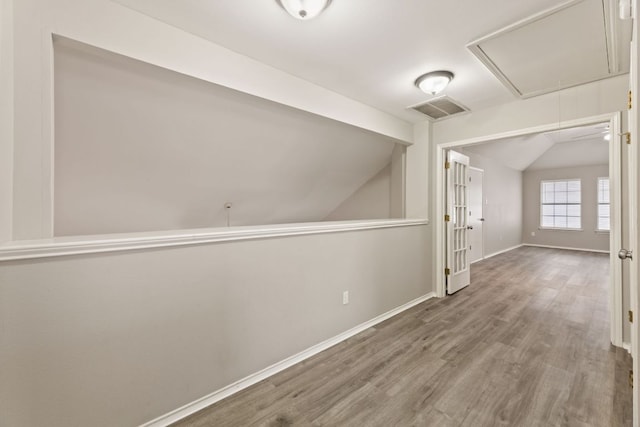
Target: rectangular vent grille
(440,108)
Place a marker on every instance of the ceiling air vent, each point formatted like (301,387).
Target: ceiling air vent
(440,108)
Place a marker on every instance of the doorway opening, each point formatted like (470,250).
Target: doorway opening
(609,124)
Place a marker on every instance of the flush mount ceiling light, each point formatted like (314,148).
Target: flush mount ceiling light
(304,9)
(434,82)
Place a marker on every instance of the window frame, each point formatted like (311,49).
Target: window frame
(542,205)
(598,203)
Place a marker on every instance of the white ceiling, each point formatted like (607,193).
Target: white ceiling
(579,146)
(370,51)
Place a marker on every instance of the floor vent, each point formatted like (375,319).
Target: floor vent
(440,108)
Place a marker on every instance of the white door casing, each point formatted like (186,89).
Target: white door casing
(457,223)
(441,149)
(476,219)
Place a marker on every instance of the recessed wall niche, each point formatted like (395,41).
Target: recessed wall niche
(142,148)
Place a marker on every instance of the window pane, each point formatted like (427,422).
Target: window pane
(547,197)
(561,197)
(573,222)
(603,211)
(561,203)
(573,185)
(573,197)
(573,210)
(603,190)
(560,186)
(547,187)
(603,204)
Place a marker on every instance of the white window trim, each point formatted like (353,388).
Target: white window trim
(602,230)
(540,226)
(560,229)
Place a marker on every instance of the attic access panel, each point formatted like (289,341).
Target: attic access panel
(577,42)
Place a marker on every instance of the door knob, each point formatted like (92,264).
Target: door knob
(469,227)
(625,254)
(481,219)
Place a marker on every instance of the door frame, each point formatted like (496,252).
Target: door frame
(615,234)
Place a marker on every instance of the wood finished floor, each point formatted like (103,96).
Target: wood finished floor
(526,344)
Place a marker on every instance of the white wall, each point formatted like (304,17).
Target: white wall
(6,119)
(146,39)
(418,157)
(119,339)
(502,210)
(398,181)
(142,148)
(585,239)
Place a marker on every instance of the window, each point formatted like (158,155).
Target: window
(603,204)
(560,204)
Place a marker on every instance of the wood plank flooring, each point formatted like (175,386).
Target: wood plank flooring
(526,344)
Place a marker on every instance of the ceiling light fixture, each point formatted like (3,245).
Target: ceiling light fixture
(434,82)
(304,9)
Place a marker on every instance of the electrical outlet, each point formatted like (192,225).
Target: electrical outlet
(345,297)
(533,234)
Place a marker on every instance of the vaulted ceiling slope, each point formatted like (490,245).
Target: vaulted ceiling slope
(372,51)
(563,148)
(142,148)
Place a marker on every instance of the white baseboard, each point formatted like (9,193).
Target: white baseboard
(566,248)
(252,379)
(627,346)
(502,251)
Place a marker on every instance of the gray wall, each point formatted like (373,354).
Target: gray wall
(587,238)
(502,188)
(372,200)
(119,339)
(383,196)
(141,148)
(6,119)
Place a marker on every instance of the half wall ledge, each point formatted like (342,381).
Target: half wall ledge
(78,245)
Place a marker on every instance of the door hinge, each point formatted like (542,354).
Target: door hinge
(631,378)
(629,100)
(630,316)
(447,165)
(447,272)
(627,136)
(447,218)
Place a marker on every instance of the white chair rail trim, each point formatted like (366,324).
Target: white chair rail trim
(64,246)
